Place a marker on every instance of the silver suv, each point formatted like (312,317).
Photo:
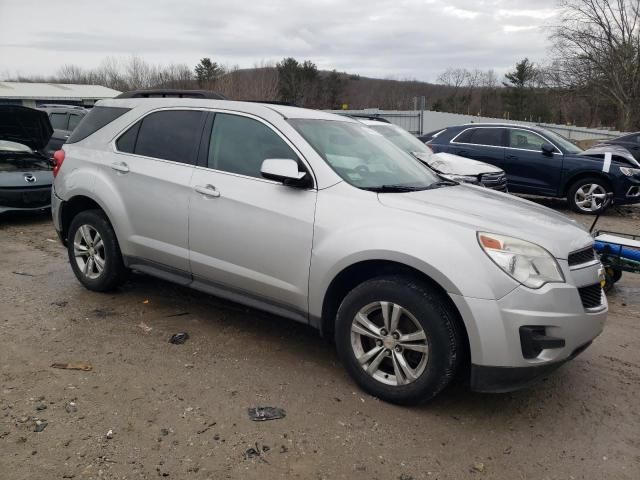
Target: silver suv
(318,218)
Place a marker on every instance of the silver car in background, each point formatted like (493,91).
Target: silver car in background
(318,218)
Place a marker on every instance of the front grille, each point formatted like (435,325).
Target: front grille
(494,181)
(591,296)
(25,197)
(579,257)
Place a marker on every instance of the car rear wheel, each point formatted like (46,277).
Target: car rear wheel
(94,252)
(588,195)
(399,339)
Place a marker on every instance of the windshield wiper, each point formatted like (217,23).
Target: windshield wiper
(445,183)
(394,188)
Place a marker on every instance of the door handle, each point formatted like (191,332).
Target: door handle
(120,167)
(208,190)
(511,157)
(462,153)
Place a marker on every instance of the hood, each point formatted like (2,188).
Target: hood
(24,125)
(619,151)
(449,164)
(486,210)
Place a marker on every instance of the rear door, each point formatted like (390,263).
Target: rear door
(485,144)
(151,172)
(247,234)
(528,169)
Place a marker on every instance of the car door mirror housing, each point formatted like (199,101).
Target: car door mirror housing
(283,170)
(547,149)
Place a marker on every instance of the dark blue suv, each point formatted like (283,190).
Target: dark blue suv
(540,162)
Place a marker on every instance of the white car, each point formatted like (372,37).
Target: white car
(453,167)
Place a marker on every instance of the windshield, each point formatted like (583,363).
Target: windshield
(403,139)
(564,143)
(364,158)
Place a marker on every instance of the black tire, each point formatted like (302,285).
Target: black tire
(114,272)
(611,276)
(435,316)
(577,185)
(615,273)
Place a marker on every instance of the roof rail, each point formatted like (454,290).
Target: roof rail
(172,93)
(60,105)
(272,102)
(364,116)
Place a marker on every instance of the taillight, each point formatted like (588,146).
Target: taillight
(58,158)
(430,146)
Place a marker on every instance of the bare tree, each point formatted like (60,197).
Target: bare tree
(597,48)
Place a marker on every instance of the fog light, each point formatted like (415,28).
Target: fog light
(533,340)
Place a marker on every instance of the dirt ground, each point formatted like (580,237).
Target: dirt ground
(180,411)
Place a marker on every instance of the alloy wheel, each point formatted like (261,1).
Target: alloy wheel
(88,249)
(590,197)
(389,343)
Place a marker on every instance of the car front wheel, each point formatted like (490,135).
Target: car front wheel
(588,195)
(399,339)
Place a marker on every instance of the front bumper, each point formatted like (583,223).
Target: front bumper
(25,199)
(628,192)
(499,357)
(507,379)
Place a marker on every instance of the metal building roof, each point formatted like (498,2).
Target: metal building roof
(54,91)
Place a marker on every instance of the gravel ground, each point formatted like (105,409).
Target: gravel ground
(151,409)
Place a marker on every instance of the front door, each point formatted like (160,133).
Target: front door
(250,236)
(528,168)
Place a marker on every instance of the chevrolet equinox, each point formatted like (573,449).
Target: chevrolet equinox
(318,218)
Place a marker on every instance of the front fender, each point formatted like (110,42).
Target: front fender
(362,230)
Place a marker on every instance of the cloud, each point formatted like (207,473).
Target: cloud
(401,39)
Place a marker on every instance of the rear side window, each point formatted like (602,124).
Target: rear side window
(97,118)
(168,135)
(240,145)
(58,121)
(481,136)
(127,142)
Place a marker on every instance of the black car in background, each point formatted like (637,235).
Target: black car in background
(541,162)
(631,142)
(64,119)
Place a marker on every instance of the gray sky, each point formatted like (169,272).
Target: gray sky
(381,38)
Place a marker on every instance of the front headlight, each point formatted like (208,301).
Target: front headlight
(525,262)
(630,172)
(462,178)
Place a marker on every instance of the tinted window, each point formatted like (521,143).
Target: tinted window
(170,135)
(127,141)
(481,136)
(74,120)
(525,140)
(58,121)
(93,121)
(240,145)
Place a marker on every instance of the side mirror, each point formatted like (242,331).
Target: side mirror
(283,170)
(547,149)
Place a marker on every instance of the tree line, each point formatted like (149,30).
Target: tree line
(591,78)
